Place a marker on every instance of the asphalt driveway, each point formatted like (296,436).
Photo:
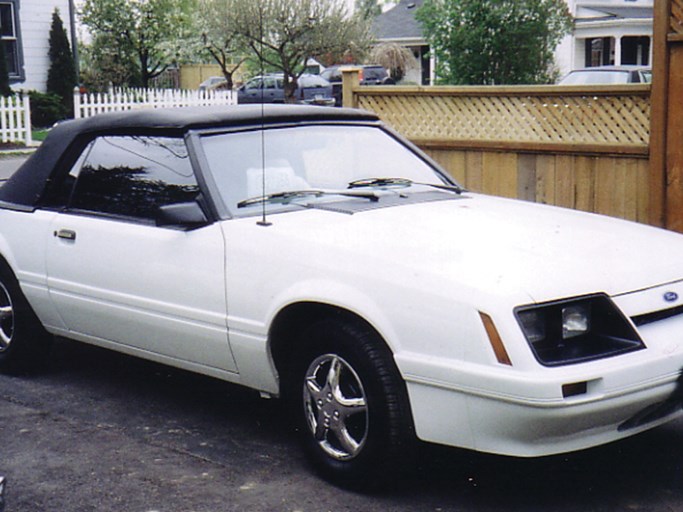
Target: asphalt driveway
(9,164)
(100,431)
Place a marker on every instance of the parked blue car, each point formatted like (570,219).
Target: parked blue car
(311,90)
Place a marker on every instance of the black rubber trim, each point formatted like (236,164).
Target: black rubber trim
(656,316)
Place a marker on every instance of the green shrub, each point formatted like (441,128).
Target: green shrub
(46,109)
(61,77)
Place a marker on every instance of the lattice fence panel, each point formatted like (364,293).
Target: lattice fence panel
(676,24)
(616,119)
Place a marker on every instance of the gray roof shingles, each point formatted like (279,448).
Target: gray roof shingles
(399,22)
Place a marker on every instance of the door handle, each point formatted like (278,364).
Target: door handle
(66,234)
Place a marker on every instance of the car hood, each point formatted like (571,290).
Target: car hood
(530,251)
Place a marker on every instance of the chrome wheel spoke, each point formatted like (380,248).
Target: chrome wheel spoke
(312,388)
(333,375)
(349,444)
(350,405)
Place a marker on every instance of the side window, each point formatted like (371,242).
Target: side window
(253,84)
(58,191)
(132,176)
(269,83)
(11,42)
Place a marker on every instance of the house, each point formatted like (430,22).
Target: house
(25,31)
(606,32)
(398,25)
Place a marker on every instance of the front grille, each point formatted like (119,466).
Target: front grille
(656,316)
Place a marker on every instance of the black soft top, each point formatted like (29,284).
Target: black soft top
(27,184)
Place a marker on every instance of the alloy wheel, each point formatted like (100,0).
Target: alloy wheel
(6,318)
(336,407)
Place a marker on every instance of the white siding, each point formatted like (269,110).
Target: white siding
(564,56)
(35,19)
(570,53)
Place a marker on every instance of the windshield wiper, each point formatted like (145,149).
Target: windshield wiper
(400,182)
(287,197)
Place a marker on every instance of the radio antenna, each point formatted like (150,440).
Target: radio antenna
(263,221)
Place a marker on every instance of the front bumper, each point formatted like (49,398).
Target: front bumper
(322,101)
(521,413)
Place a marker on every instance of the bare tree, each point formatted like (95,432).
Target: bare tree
(220,35)
(284,34)
(396,58)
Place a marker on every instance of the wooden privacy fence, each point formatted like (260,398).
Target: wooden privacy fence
(15,119)
(603,120)
(666,144)
(582,148)
(90,104)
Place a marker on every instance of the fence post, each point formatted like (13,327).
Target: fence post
(350,80)
(4,109)
(28,138)
(77,102)
(666,151)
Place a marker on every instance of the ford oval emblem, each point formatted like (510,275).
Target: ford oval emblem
(671,296)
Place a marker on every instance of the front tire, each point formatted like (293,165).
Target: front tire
(354,414)
(24,344)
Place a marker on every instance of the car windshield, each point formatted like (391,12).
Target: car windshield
(376,73)
(318,158)
(596,77)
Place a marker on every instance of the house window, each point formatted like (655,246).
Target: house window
(635,50)
(9,33)
(599,52)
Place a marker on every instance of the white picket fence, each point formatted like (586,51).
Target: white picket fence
(15,119)
(90,104)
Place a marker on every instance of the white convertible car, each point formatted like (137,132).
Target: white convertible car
(313,254)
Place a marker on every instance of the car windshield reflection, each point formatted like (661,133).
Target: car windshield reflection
(257,168)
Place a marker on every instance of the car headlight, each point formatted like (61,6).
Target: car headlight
(577,330)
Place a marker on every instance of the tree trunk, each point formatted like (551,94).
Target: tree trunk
(290,89)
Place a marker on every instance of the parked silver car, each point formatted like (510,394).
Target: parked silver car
(213,82)
(311,90)
(608,75)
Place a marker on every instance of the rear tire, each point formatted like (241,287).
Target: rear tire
(24,344)
(352,404)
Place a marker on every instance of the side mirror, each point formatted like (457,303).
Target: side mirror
(182,215)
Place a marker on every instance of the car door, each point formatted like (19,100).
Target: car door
(118,279)
(251,91)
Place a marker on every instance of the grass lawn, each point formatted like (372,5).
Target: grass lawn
(39,135)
